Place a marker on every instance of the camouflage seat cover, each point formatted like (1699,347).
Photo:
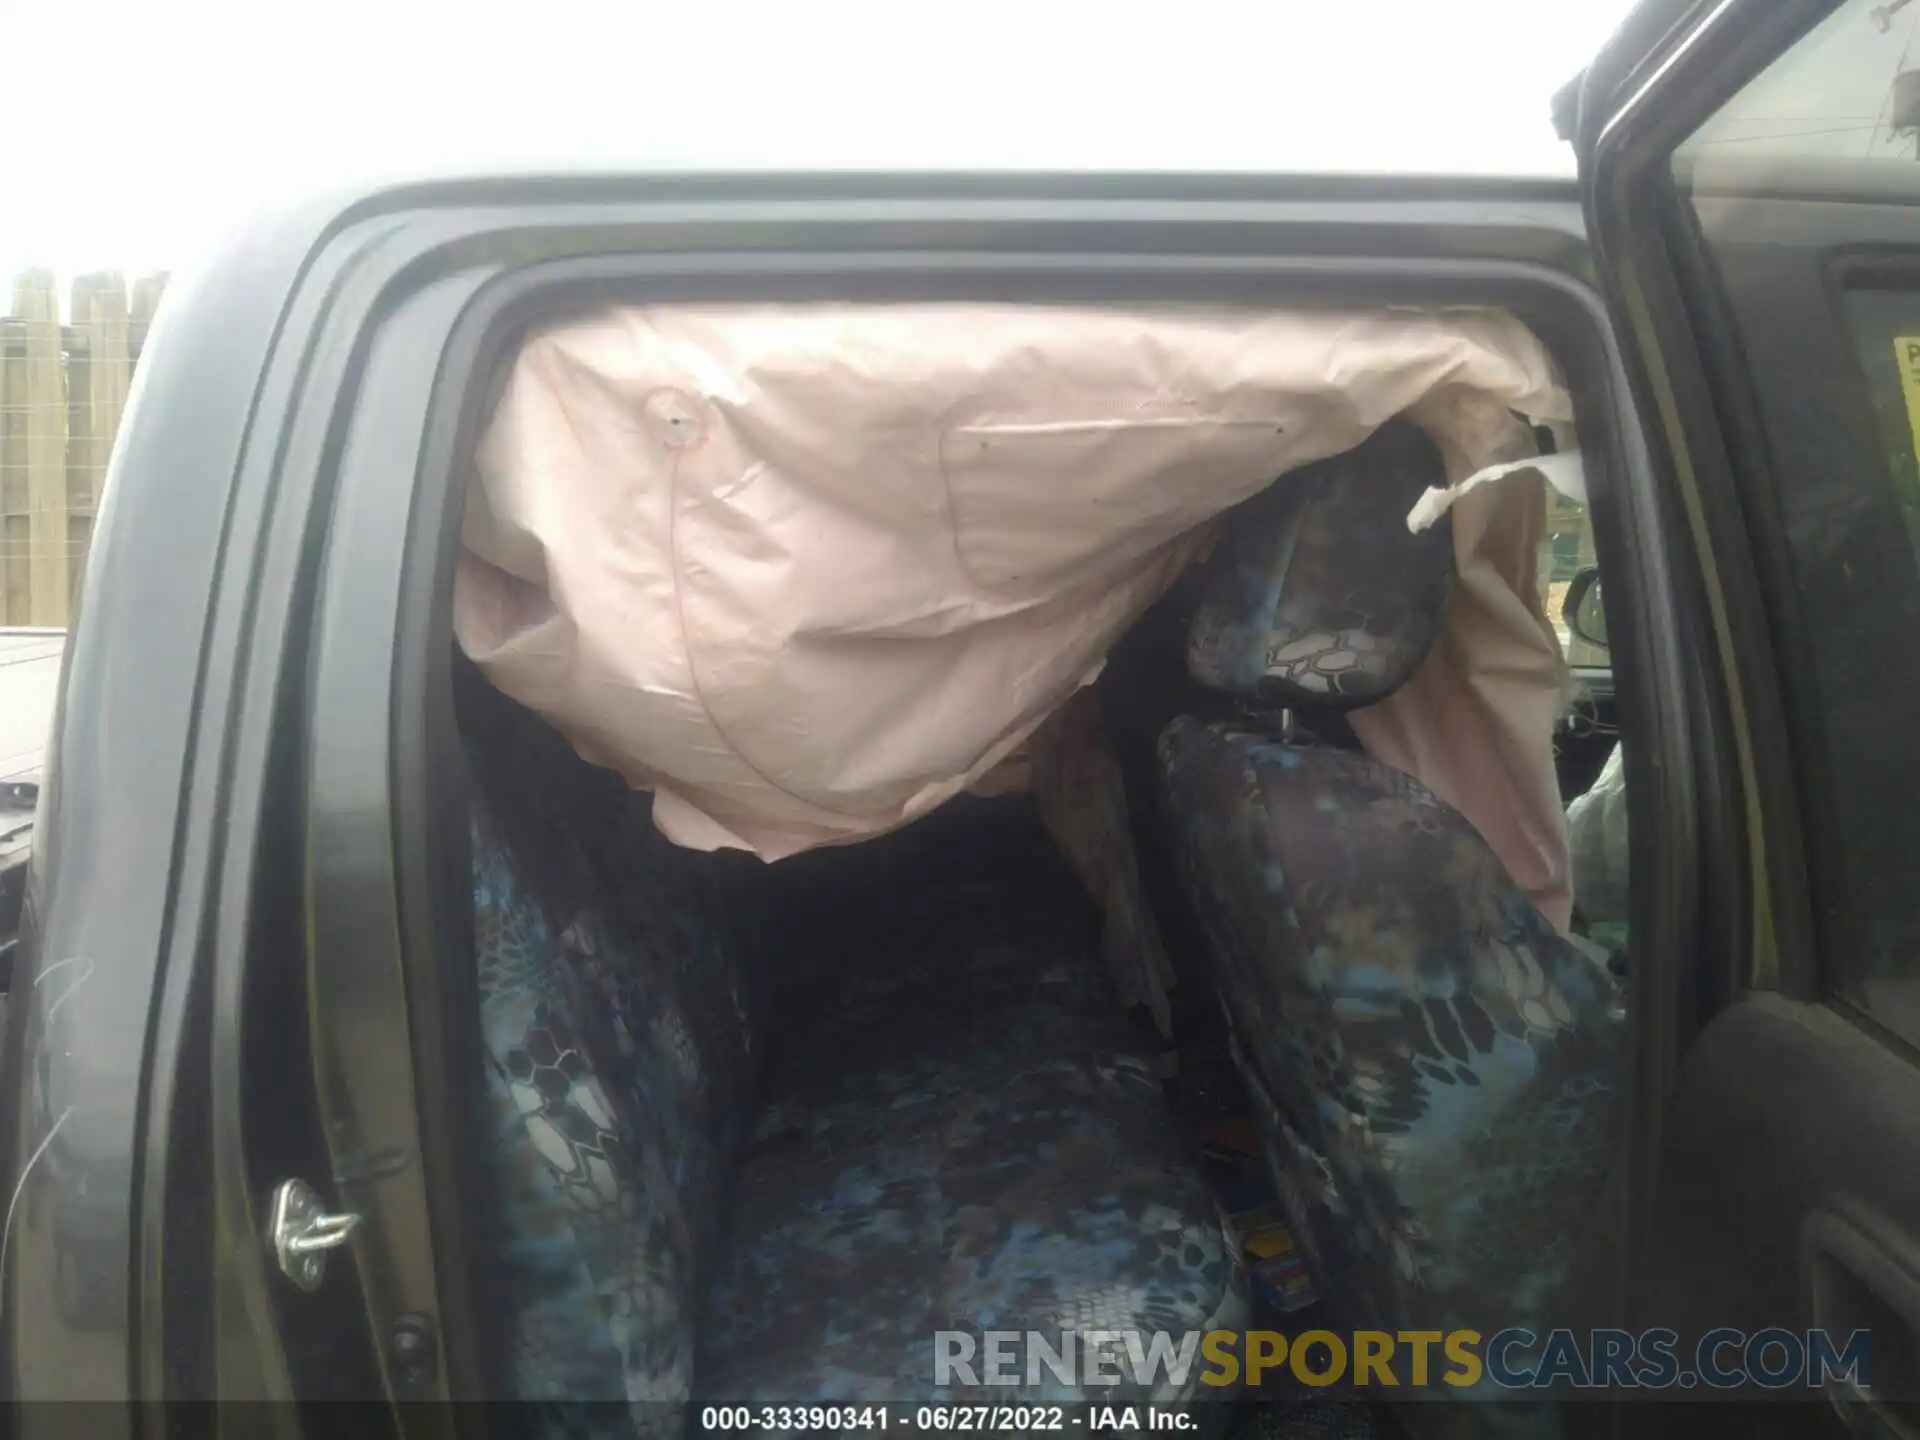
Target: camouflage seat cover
(953,1133)
(621,1046)
(1436,1070)
(963,1136)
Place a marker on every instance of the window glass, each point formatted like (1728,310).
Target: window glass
(1840,94)
(1803,190)
(1566,548)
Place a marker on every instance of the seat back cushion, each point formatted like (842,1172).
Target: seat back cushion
(621,1050)
(1439,1072)
(1317,594)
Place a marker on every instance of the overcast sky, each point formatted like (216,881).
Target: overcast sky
(136,132)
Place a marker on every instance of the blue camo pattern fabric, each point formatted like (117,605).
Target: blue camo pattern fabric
(608,1150)
(963,1134)
(957,1130)
(972,1140)
(1007,1188)
(1438,1073)
(1316,594)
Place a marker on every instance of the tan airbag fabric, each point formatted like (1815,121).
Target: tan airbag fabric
(807,572)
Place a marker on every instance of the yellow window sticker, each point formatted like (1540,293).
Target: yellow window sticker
(1906,354)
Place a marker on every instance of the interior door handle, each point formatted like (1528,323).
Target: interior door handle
(1862,1275)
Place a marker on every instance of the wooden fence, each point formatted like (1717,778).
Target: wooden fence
(62,388)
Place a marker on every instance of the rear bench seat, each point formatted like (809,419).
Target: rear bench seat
(709,1192)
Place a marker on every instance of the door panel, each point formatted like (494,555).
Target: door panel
(1793,1126)
(1751,177)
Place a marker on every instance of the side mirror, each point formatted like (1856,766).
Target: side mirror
(1582,609)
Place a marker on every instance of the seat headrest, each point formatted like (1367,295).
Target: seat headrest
(1317,594)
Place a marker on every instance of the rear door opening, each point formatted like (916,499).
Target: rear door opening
(861,1122)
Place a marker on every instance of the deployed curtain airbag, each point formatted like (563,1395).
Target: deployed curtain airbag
(807,572)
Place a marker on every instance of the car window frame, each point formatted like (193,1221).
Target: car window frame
(1635,108)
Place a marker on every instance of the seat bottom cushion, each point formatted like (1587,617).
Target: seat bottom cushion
(962,1147)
